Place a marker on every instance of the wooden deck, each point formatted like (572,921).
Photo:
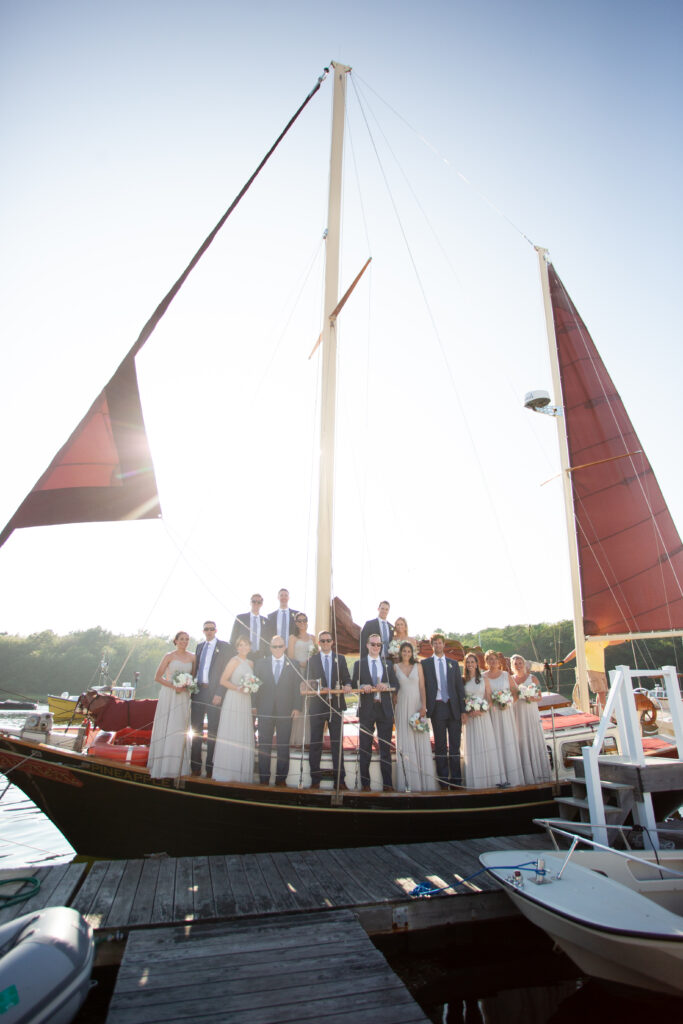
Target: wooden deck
(376,882)
(269,970)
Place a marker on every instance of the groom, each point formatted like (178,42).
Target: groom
(446,708)
(277,701)
(211,657)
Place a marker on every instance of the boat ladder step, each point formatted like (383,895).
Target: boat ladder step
(574,803)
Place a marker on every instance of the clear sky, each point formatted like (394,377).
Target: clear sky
(126,130)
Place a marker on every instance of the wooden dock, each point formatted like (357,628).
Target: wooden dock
(271,937)
(270,970)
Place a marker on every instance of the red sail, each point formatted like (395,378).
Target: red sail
(104,471)
(630,553)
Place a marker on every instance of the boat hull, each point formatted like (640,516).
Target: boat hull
(115,811)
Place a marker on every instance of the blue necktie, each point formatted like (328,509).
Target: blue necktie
(254,633)
(444,688)
(384,629)
(284,623)
(278,670)
(373,670)
(326,666)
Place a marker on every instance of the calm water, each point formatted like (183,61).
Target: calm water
(502,973)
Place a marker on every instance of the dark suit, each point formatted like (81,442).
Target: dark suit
(446,719)
(328,708)
(272,627)
(202,704)
(370,627)
(375,714)
(274,704)
(242,627)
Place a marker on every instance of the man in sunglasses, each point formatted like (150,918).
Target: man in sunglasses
(327,671)
(255,626)
(376,678)
(277,701)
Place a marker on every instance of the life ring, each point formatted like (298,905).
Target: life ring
(131,754)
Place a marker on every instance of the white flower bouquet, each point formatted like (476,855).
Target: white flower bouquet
(417,723)
(528,691)
(184,681)
(476,704)
(250,683)
(503,698)
(312,649)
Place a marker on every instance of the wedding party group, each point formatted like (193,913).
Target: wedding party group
(251,692)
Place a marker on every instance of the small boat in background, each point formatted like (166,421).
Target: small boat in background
(64,708)
(617,914)
(18,705)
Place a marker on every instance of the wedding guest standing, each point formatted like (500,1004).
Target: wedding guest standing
(400,636)
(332,672)
(375,678)
(169,748)
(255,626)
(211,657)
(301,643)
(503,719)
(446,708)
(532,748)
(234,754)
(381,626)
(281,621)
(482,767)
(414,761)
(277,702)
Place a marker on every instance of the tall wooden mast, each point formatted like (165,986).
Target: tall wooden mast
(329,361)
(579,633)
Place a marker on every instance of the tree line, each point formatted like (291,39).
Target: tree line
(33,666)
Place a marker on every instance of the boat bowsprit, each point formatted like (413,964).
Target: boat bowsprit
(45,964)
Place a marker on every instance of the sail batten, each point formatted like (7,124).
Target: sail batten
(630,552)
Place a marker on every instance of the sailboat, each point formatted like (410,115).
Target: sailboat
(104,472)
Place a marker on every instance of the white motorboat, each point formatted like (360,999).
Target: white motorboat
(617,915)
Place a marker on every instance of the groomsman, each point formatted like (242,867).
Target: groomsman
(255,626)
(332,672)
(380,625)
(375,710)
(277,701)
(281,621)
(446,708)
(211,657)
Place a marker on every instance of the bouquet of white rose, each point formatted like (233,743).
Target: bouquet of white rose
(250,683)
(418,723)
(528,691)
(476,704)
(184,681)
(503,698)
(312,649)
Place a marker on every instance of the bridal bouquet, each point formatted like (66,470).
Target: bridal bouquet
(503,698)
(528,691)
(418,723)
(476,704)
(393,648)
(312,649)
(250,683)
(184,681)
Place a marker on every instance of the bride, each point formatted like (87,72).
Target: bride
(233,759)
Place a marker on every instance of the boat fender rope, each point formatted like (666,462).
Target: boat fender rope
(422,891)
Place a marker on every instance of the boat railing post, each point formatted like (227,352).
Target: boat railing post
(632,744)
(596,806)
(673,694)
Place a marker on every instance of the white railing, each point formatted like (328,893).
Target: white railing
(621,703)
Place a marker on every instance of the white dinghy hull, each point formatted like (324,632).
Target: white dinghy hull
(45,964)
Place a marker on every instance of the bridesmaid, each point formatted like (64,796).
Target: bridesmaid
(414,761)
(301,644)
(503,721)
(482,767)
(233,759)
(169,747)
(532,748)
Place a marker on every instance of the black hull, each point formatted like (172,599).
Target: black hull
(107,810)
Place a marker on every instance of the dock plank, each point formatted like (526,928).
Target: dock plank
(106,893)
(302,952)
(142,908)
(183,890)
(58,883)
(162,908)
(222,890)
(204,898)
(122,904)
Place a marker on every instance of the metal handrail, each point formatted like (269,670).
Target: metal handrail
(576,839)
